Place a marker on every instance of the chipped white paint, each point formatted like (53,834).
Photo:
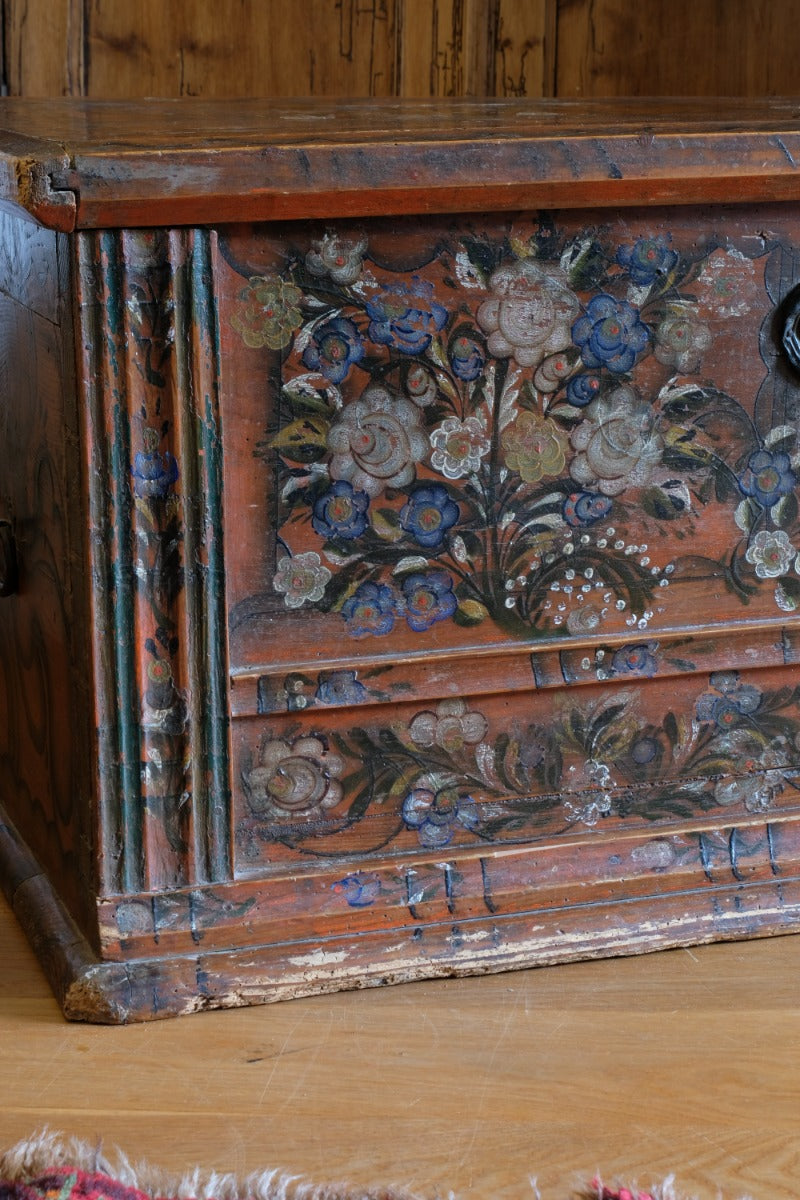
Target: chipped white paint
(320,958)
(731,280)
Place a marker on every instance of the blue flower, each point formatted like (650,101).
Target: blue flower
(747,698)
(734,701)
(584,508)
(429,514)
(371,610)
(405,316)
(340,687)
(767,477)
(725,681)
(334,346)
(434,814)
(358,890)
(582,389)
(429,598)
(341,512)
(532,747)
(634,660)
(153,474)
(467,357)
(647,259)
(719,709)
(610,334)
(644,750)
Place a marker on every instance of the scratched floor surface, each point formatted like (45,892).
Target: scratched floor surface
(684,1061)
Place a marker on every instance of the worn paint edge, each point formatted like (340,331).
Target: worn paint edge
(217,816)
(28,182)
(66,958)
(90,350)
(149,989)
(204,635)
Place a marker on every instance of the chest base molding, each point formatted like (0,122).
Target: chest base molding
(734,901)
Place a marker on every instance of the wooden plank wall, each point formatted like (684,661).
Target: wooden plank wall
(115,49)
(110,48)
(678,48)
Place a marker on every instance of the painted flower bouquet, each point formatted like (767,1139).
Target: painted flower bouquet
(502,432)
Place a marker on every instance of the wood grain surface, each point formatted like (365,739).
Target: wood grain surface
(400,48)
(346,48)
(44,704)
(79,164)
(677,48)
(683,1061)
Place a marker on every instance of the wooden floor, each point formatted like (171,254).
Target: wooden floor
(685,1061)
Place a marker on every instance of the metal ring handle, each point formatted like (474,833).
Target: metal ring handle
(790,339)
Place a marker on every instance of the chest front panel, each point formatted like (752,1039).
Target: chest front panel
(516,530)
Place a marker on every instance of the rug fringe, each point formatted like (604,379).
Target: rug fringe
(46,1150)
(598,1190)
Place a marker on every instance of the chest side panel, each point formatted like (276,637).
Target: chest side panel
(46,737)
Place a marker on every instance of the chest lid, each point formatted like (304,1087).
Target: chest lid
(76,164)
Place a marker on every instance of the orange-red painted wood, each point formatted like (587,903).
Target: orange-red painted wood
(78,164)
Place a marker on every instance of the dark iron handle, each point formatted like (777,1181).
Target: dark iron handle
(791,329)
(9,573)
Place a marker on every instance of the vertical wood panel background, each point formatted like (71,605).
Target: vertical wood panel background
(114,49)
(678,48)
(111,49)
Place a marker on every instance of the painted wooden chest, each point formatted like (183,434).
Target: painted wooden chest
(400,539)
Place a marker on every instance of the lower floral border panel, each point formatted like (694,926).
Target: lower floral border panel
(494,770)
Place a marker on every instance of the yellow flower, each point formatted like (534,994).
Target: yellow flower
(534,447)
(268,314)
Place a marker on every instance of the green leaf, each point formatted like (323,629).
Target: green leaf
(671,729)
(565,412)
(306,399)
(500,750)
(304,440)
(360,805)
(661,504)
(385,523)
(690,400)
(585,263)
(553,766)
(576,726)
(746,515)
(791,587)
(470,612)
(681,664)
(483,254)
(725,484)
(682,457)
(785,511)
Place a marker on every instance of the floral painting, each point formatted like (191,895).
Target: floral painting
(462,772)
(517,431)
(531,431)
